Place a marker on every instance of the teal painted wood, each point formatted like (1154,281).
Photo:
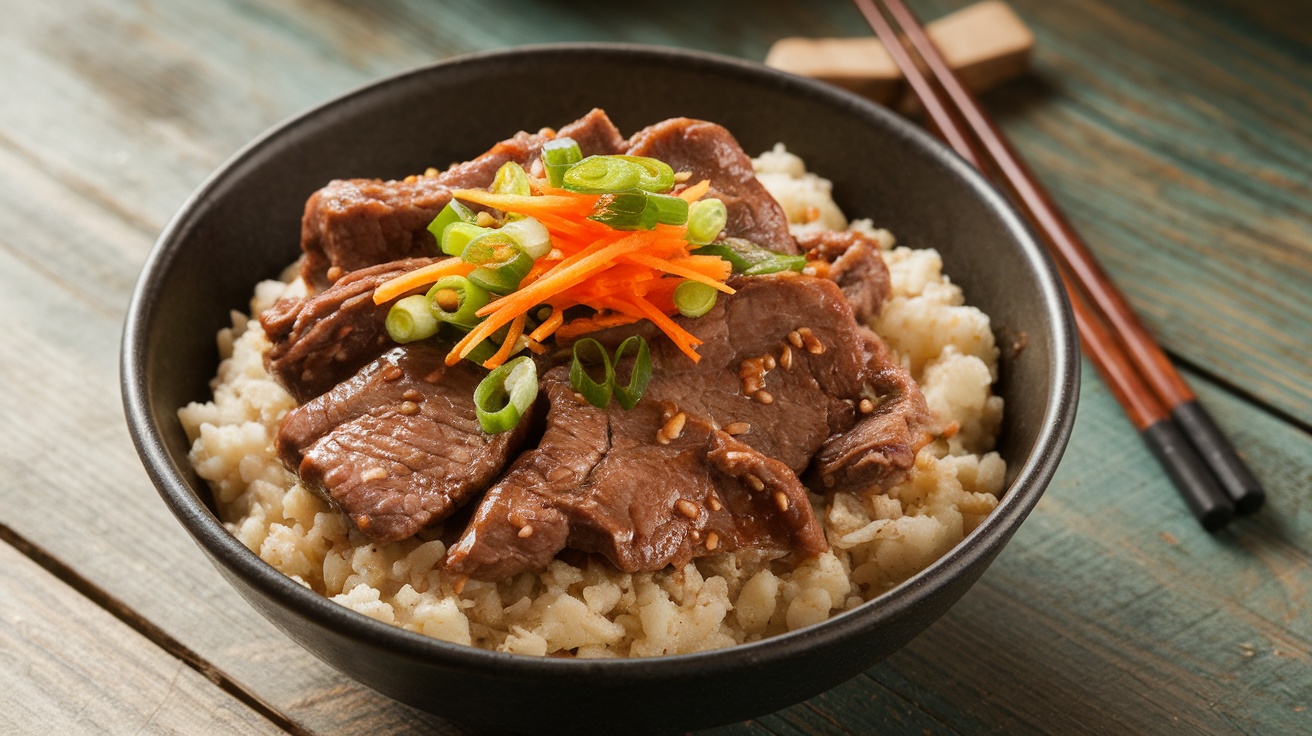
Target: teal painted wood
(1173,132)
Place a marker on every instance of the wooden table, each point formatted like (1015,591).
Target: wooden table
(1176,133)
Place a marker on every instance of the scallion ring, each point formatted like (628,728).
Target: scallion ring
(557,156)
(601,175)
(531,235)
(629,394)
(511,179)
(455,299)
(502,264)
(501,398)
(457,235)
(706,219)
(597,394)
(670,210)
(693,298)
(452,213)
(410,319)
(628,210)
(657,176)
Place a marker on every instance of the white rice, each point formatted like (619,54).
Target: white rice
(878,539)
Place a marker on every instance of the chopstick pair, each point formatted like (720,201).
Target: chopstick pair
(1201,462)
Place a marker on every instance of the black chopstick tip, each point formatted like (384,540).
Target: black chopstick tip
(1220,456)
(1191,476)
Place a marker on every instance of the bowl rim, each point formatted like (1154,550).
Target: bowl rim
(205,528)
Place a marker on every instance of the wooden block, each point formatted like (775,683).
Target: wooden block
(985,43)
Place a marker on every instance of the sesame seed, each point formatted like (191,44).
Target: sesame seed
(411,395)
(362,522)
(334,273)
(673,429)
(754,482)
(781,500)
(430,172)
(737,428)
(526,531)
(795,338)
(765,397)
(712,541)
(687,508)
(373,474)
(813,344)
(485,219)
(696,535)
(409,407)
(682,176)
(786,358)
(866,406)
(447,299)
(715,504)
(668,409)
(769,362)
(392,372)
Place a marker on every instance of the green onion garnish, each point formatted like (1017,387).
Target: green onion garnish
(706,218)
(629,394)
(751,259)
(511,179)
(602,175)
(481,352)
(670,210)
(505,394)
(455,299)
(452,213)
(557,156)
(410,319)
(693,299)
(597,394)
(502,264)
(531,235)
(657,176)
(458,234)
(630,210)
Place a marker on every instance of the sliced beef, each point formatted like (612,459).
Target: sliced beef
(783,369)
(320,340)
(879,449)
(855,264)
(397,446)
(356,223)
(710,151)
(599,482)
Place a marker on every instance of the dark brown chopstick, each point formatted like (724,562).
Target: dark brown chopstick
(1152,392)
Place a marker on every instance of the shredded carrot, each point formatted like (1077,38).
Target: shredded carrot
(679,269)
(696,191)
(584,325)
(395,287)
(528,205)
(549,325)
(684,340)
(507,345)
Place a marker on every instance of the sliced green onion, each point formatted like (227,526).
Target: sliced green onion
(502,264)
(706,218)
(511,179)
(630,210)
(693,298)
(670,210)
(531,235)
(452,213)
(597,394)
(601,175)
(657,176)
(458,234)
(749,258)
(410,319)
(481,352)
(557,156)
(629,394)
(455,299)
(505,394)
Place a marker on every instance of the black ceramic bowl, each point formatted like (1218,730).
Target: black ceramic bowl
(243,225)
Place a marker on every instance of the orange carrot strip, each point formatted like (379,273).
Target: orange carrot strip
(678,270)
(584,325)
(507,345)
(395,287)
(576,204)
(549,325)
(679,336)
(696,191)
(584,228)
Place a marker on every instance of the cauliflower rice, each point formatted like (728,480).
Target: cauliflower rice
(877,539)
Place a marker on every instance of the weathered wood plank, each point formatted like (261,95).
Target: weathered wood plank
(68,667)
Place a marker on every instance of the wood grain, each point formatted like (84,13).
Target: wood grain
(1174,134)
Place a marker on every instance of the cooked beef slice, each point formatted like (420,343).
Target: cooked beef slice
(397,447)
(320,340)
(356,223)
(855,264)
(601,482)
(879,449)
(709,151)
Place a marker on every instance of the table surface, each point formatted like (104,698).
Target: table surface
(1176,134)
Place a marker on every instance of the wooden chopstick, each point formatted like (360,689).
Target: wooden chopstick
(1154,395)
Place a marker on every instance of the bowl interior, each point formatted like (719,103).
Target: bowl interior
(244,225)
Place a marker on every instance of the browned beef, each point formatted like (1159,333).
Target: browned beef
(855,264)
(356,223)
(879,449)
(320,340)
(710,151)
(397,447)
(597,473)
(600,483)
